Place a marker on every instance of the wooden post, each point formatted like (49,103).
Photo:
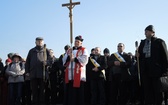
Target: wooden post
(45,59)
(70,6)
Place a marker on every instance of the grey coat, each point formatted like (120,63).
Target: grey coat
(15,72)
(34,62)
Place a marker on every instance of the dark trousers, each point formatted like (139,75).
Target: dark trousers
(38,89)
(60,92)
(47,92)
(4,93)
(119,90)
(135,92)
(152,90)
(53,84)
(107,91)
(74,96)
(87,92)
(97,92)
(15,93)
(26,94)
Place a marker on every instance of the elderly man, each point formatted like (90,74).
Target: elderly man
(75,61)
(119,63)
(96,67)
(153,64)
(37,58)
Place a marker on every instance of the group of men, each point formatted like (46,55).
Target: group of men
(96,79)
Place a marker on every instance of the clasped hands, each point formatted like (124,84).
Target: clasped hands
(117,63)
(95,69)
(71,55)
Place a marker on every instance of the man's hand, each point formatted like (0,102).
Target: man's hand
(27,74)
(15,75)
(136,54)
(69,51)
(95,69)
(44,63)
(117,63)
(71,57)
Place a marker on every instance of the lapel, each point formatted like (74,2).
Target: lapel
(154,44)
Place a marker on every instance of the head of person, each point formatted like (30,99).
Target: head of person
(10,55)
(97,51)
(51,52)
(0,59)
(130,54)
(23,60)
(16,58)
(93,51)
(8,61)
(78,41)
(149,31)
(66,48)
(39,41)
(120,47)
(106,52)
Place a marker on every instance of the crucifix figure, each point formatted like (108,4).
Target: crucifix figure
(70,7)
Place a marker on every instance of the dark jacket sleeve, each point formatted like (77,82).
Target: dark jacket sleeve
(111,61)
(102,63)
(164,54)
(27,64)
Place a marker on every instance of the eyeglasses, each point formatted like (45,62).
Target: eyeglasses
(120,46)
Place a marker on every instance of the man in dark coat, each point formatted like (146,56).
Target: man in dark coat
(35,63)
(96,68)
(119,63)
(87,83)
(106,58)
(153,64)
(51,85)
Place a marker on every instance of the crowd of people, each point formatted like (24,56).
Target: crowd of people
(80,78)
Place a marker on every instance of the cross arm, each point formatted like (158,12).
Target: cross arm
(68,4)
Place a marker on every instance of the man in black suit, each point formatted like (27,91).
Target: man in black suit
(96,68)
(119,63)
(153,57)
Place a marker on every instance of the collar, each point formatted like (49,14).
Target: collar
(77,48)
(121,53)
(39,47)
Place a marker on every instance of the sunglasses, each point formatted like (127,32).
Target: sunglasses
(120,46)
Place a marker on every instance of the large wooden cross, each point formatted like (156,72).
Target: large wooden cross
(70,7)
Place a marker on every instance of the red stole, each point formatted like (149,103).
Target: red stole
(77,70)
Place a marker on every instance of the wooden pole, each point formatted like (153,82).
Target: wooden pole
(45,58)
(70,6)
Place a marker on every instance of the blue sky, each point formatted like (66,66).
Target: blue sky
(102,23)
